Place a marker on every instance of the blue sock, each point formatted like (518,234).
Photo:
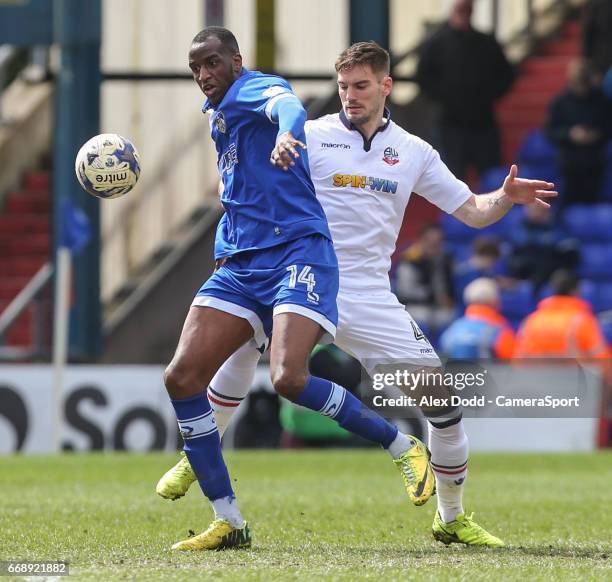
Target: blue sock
(349,412)
(203,445)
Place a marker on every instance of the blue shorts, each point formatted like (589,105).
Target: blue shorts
(300,276)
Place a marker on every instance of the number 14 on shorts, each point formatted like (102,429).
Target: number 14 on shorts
(306,277)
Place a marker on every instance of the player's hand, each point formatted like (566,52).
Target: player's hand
(285,151)
(522,191)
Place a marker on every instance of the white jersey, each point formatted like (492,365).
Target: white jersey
(364,189)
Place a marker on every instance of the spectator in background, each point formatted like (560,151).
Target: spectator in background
(562,326)
(482,332)
(579,123)
(465,71)
(423,279)
(606,85)
(541,247)
(597,35)
(485,261)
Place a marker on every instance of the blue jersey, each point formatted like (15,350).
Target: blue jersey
(264,205)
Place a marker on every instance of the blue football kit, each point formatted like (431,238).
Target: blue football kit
(279,259)
(274,233)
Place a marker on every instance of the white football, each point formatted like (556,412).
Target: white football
(107,166)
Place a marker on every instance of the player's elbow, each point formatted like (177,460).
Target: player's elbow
(471,214)
(480,222)
(479,218)
(472,219)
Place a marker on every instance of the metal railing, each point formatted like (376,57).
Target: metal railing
(524,32)
(31,293)
(7,53)
(123,227)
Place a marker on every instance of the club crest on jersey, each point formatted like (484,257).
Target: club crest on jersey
(220,122)
(390,156)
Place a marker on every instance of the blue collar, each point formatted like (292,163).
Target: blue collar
(367,143)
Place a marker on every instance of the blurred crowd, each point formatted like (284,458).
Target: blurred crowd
(483,292)
(539,282)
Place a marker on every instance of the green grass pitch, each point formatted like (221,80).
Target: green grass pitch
(315,515)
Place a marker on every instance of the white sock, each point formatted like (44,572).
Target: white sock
(223,417)
(231,384)
(401,443)
(226,508)
(449,455)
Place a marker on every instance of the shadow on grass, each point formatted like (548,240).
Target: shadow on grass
(392,552)
(591,553)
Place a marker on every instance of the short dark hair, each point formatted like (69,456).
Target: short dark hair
(486,246)
(227,38)
(427,227)
(364,53)
(564,282)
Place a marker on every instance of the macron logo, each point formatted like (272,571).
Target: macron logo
(343,146)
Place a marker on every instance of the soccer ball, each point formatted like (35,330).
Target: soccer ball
(107,166)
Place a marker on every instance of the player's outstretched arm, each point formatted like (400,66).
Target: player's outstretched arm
(485,209)
(291,116)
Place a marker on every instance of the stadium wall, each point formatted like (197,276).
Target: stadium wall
(164,119)
(127,408)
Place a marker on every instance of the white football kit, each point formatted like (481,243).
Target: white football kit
(364,188)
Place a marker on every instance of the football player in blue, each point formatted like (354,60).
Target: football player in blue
(279,271)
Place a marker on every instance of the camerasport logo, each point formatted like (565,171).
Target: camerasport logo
(390,156)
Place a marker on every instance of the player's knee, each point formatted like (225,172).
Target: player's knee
(289,383)
(180,380)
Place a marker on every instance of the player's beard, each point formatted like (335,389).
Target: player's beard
(366,116)
(362,119)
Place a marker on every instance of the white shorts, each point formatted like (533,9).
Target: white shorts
(375,328)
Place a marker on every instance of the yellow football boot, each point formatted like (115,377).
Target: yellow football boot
(220,535)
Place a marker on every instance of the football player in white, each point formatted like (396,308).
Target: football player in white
(365,168)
